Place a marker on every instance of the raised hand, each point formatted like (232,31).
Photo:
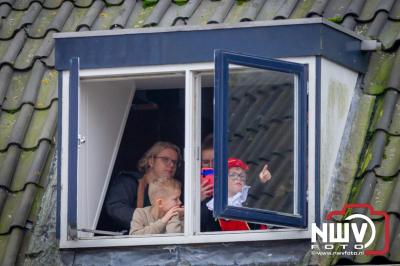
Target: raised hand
(176,210)
(265,174)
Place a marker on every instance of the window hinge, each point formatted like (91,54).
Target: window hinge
(308,88)
(81,140)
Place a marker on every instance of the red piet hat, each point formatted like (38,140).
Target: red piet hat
(234,162)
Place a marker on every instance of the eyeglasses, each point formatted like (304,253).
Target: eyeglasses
(235,177)
(167,161)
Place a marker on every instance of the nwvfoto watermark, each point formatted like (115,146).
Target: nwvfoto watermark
(333,235)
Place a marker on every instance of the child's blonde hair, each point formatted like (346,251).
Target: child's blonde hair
(162,187)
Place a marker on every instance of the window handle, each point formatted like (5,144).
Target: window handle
(81,140)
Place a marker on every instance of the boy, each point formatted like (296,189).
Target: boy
(237,195)
(165,215)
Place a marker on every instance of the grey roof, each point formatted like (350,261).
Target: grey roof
(28,91)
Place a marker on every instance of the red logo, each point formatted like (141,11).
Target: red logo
(368,222)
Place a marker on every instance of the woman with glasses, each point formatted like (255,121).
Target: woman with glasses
(129,190)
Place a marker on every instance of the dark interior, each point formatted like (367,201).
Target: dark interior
(156,115)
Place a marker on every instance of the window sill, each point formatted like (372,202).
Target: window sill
(210,237)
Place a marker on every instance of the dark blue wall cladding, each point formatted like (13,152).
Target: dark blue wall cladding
(177,47)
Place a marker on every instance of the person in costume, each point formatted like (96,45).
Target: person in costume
(237,195)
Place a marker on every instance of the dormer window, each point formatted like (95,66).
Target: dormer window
(263,91)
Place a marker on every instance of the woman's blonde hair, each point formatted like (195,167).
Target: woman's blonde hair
(154,150)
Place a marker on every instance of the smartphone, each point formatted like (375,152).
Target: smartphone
(207,176)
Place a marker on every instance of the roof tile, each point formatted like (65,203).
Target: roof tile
(390,165)
(13,98)
(5,9)
(39,119)
(123,16)
(377,24)
(286,9)
(336,9)
(187,11)
(14,211)
(203,13)
(10,24)
(394,203)
(91,16)
(395,11)
(390,34)
(373,8)
(221,11)
(302,9)
(382,193)
(378,72)
(14,48)
(7,122)
(52,4)
(157,13)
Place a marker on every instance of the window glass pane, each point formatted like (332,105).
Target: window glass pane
(261,132)
(157,114)
(207,221)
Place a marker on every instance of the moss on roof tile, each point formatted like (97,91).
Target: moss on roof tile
(395,125)
(378,73)
(3,245)
(12,203)
(302,8)
(3,48)
(106,18)
(180,2)
(382,193)
(76,16)
(149,3)
(236,12)
(391,162)
(11,208)
(25,57)
(362,29)
(7,122)
(143,14)
(15,90)
(25,161)
(378,112)
(269,10)
(39,118)
(84,3)
(379,226)
(36,204)
(11,23)
(48,89)
(41,24)
(389,33)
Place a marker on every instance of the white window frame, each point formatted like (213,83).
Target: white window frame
(192,163)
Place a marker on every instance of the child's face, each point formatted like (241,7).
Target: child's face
(236,180)
(172,200)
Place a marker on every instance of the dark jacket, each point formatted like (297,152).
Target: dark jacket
(121,199)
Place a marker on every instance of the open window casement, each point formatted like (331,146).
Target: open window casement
(96,132)
(280,92)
